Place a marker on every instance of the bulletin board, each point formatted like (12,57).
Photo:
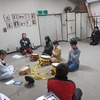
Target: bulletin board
(19,20)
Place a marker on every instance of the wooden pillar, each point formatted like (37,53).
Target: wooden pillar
(90,16)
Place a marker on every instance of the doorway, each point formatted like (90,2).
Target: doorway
(50,25)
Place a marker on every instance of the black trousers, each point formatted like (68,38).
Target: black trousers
(78,94)
(94,40)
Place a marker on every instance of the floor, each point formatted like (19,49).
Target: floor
(86,78)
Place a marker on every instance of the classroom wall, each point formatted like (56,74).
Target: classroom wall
(10,39)
(95,8)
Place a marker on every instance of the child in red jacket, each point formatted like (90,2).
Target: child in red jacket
(63,88)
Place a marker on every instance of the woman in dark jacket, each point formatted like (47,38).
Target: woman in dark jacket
(95,36)
(48,46)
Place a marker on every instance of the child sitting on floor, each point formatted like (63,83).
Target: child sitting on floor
(73,58)
(5,70)
(61,86)
(56,53)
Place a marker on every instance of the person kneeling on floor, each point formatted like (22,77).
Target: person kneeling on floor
(95,36)
(48,46)
(6,71)
(63,88)
(56,53)
(73,58)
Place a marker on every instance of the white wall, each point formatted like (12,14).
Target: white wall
(11,38)
(95,8)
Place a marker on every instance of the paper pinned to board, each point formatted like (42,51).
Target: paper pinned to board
(10,82)
(17,56)
(48,96)
(3,97)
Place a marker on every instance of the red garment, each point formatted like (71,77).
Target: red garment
(64,90)
(29,50)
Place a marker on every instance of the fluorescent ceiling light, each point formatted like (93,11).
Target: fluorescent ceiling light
(89,1)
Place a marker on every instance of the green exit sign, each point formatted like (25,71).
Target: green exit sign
(42,12)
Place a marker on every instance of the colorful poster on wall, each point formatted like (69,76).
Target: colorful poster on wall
(8,22)
(14,16)
(16,24)
(22,23)
(9,25)
(19,20)
(27,16)
(21,16)
(7,18)
(28,23)
(33,17)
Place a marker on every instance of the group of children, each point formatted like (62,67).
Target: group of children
(65,88)
(54,50)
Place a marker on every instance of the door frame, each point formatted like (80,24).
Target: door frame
(68,26)
(39,26)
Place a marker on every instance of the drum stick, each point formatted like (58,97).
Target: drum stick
(39,50)
(27,55)
(15,70)
(42,52)
(64,61)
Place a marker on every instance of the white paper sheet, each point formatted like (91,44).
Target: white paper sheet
(55,64)
(3,97)
(10,82)
(48,96)
(17,56)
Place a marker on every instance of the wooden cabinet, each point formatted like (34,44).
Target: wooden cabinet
(64,27)
(68,26)
(82,25)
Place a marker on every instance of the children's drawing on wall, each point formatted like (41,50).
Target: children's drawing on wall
(21,16)
(16,24)
(27,16)
(33,16)
(9,25)
(19,20)
(28,23)
(33,22)
(22,23)
(7,17)
(14,16)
